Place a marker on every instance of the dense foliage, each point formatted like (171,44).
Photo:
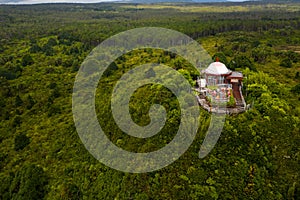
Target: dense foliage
(41,49)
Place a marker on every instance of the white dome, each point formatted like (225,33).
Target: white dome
(217,68)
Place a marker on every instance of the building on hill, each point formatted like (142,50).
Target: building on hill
(219,84)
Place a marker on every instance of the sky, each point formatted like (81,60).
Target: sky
(66,1)
(51,1)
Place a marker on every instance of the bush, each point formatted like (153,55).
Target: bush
(231,102)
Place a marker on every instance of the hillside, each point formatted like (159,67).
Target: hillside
(42,156)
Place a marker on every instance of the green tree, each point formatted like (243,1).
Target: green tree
(297,76)
(35,48)
(29,183)
(30,102)
(293,56)
(21,141)
(18,101)
(27,60)
(286,62)
(51,42)
(242,62)
(48,50)
(150,73)
(221,57)
(261,53)
(75,66)
(5,181)
(187,76)
(71,191)
(296,89)
(7,74)
(110,70)
(16,121)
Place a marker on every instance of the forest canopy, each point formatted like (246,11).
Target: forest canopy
(42,48)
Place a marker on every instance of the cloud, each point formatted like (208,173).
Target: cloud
(51,1)
(237,0)
(7,1)
(79,1)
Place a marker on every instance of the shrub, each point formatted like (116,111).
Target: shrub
(231,102)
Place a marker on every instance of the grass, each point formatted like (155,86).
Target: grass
(223,8)
(190,8)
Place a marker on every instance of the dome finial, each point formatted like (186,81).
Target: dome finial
(217,59)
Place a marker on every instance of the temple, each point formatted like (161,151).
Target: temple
(219,85)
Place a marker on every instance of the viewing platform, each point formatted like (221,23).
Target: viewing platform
(219,107)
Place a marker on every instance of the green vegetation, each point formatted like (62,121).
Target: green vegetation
(41,49)
(21,141)
(29,183)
